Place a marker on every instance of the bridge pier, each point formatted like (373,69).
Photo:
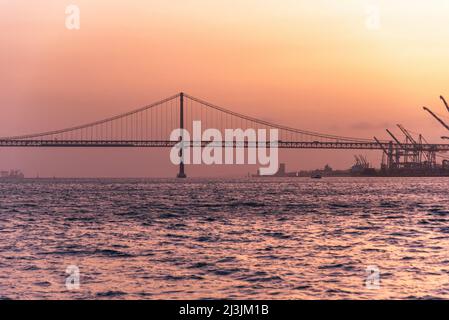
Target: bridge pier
(181,173)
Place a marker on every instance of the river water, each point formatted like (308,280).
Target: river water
(298,238)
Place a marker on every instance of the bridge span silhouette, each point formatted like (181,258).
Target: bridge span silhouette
(151,125)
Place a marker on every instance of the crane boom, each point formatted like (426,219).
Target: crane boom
(395,139)
(381,146)
(436,117)
(407,134)
(445,103)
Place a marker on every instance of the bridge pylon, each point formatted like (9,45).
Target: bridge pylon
(181,173)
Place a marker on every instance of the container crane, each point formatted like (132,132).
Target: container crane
(400,145)
(407,134)
(395,139)
(445,103)
(388,152)
(418,148)
(436,117)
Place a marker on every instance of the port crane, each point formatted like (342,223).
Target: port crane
(438,118)
(388,153)
(445,103)
(417,152)
(411,154)
(397,151)
(361,161)
(415,155)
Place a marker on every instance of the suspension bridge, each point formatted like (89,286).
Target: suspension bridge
(151,126)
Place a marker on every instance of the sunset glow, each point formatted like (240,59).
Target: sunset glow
(224,158)
(318,64)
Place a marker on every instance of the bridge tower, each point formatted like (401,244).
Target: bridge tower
(181,173)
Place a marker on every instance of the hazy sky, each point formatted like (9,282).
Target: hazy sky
(316,65)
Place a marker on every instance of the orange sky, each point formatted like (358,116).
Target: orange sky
(313,65)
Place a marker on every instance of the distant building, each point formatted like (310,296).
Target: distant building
(281,170)
(13,174)
(280,173)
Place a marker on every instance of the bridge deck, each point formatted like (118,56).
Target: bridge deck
(168,144)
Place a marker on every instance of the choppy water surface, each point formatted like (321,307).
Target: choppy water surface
(255,238)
